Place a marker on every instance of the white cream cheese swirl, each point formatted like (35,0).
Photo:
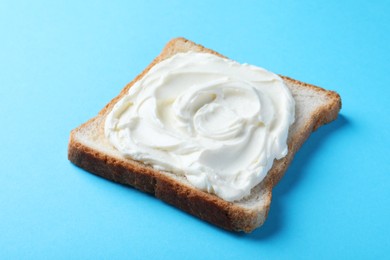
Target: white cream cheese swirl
(218,122)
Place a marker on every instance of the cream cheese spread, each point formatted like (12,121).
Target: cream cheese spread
(219,123)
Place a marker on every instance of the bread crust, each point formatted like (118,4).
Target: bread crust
(227,215)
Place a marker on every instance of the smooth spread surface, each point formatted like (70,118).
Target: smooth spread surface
(218,122)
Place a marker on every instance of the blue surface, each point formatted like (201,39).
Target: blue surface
(62,61)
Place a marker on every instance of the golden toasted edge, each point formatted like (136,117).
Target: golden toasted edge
(198,203)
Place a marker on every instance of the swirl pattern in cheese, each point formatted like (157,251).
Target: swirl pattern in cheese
(218,122)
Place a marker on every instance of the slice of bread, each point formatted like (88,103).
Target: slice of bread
(90,150)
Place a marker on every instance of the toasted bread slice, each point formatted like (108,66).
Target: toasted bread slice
(90,150)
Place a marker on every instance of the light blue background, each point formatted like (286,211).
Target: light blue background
(62,61)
